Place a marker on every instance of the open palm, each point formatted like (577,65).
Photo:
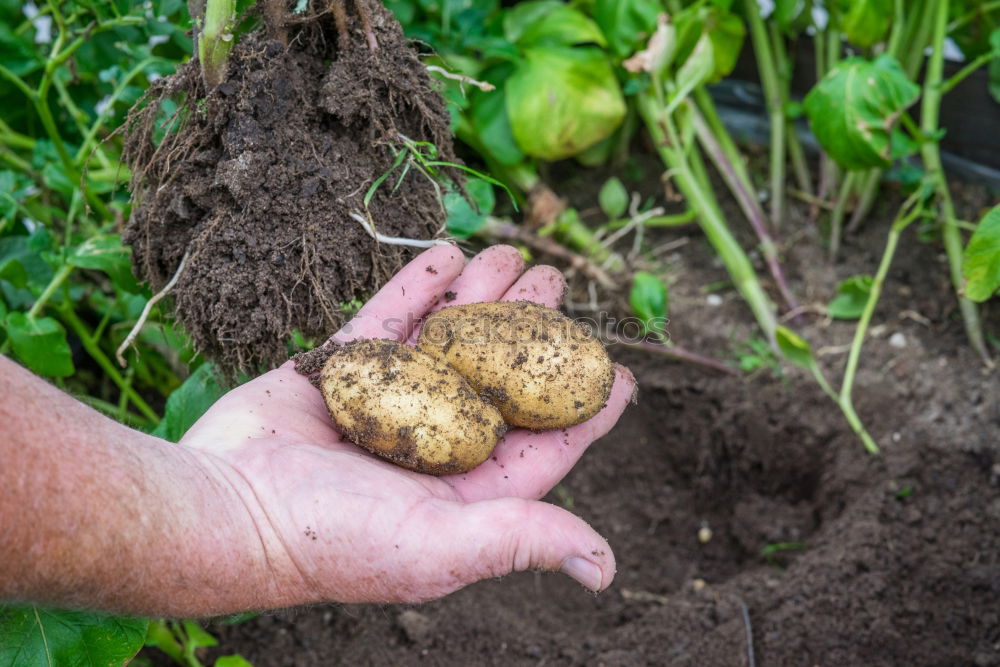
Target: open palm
(337,523)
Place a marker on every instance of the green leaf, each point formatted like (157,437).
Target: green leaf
(197,636)
(981,263)
(233,661)
(613,198)
(563,26)
(648,298)
(464,220)
(523,15)
(727,33)
(792,15)
(492,125)
(21,264)
(866,22)
(851,298)
(854,109)
(31,636)
(695,71)
(626,23)
(159,635)
(40,343)
(562,100)
(189,402)
(793,347)
(106,253)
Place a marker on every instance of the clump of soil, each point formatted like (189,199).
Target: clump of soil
(257,184)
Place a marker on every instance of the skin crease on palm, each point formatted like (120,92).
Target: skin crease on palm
(337,523)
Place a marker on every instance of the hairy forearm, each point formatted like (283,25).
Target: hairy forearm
(96,515)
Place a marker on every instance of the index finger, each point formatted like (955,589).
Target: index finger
(396,308)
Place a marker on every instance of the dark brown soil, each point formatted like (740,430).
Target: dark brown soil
(898,558)
(257,184)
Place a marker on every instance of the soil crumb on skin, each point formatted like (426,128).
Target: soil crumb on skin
(257,185)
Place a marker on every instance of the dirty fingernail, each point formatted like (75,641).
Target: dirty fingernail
(583,571)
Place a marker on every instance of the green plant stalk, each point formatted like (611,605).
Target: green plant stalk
(796,154)
(930,109)
(674,220)
(853,420)
(711,115)
(90,135)
(572,231)
(975,64)
(215,40)
(984,8)
(912,47)
(712,146)
(713,223)
(97,354)
(9,137)
(867,187)
(770,80)
(57,280)
(839,208)
(897,29)
(845,397)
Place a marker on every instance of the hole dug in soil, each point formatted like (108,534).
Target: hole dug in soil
(257,182)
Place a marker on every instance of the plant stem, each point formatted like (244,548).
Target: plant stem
(837,217)
(713,223)
(97,354)
(984,8)
(796,153)
(95,127)
(57,280)
(868,187)
(845,399)
(960,75)
(769,78)
(215,40)
(931,152)
(747,202)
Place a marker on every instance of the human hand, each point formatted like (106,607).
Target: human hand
(338,524)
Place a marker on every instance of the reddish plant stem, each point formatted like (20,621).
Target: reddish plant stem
(366,25)
(512,232)
(751,208)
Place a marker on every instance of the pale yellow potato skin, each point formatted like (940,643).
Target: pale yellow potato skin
(408,407)
(539,367)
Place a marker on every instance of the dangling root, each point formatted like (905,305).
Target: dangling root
(130,338)
(394,240)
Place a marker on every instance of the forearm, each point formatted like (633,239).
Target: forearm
(96,515)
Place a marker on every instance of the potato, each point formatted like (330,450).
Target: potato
(542,369)
(408,407)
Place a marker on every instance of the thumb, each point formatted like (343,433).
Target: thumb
(491,538)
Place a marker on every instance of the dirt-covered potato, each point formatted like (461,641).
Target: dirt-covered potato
(542,369)
(408,407)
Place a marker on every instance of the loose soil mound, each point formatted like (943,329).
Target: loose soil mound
(899,556)
(257,185)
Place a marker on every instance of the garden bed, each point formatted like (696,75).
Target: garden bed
(889,560)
